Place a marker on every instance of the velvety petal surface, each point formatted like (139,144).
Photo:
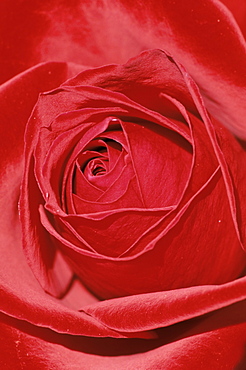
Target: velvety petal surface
(193,327)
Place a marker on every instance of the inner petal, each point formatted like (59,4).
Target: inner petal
(162,162)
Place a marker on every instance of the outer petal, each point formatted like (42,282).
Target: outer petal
(238,9)
(205,38)
(17,99)
(80,31)
(202,35)
(215,343)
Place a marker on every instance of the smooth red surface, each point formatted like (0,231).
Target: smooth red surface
(188,324)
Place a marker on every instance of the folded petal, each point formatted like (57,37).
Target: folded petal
(206,39)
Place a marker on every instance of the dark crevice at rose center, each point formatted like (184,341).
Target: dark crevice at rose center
(98,170)
(95,167)
(98,161)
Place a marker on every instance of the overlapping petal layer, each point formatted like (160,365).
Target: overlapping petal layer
(204,326)
(173,173)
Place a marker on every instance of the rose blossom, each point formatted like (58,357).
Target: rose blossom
(124,175)
(132,190)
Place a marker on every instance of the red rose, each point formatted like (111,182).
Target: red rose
(129,189)
(124,177)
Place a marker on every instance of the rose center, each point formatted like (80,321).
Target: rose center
(96,167)
(99,158)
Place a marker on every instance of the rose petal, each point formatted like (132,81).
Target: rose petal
(218,341)
(238,9)
(163,245)
(207,41)
(46,76)
(154,152)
